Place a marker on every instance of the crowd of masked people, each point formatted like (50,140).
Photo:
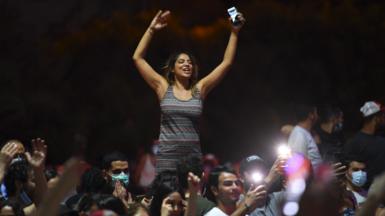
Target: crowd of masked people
(318,172)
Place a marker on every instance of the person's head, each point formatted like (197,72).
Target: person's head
(356,173)
(209,162)
(306,113)
(252,170)
(224,186)
(17,175)
(331,116)
(90,203)
(116,167)
(189,164)
(110,202)
(137,209)
(373,114)
(181,65)
(93,181)
(166,186)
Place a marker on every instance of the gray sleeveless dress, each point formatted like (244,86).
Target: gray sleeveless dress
(179,130)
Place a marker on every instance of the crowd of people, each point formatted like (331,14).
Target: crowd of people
(318,171)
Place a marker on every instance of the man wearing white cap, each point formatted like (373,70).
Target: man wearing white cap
(366,144)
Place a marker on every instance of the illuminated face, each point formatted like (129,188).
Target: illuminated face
(183,67)
(229,188)
(177,204)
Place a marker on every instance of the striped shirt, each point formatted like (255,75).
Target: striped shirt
(179,130)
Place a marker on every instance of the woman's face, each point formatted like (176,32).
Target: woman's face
(183,67)
(177,204)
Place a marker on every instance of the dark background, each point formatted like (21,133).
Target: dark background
(66,72)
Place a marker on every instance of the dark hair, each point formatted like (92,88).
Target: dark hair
(302,111)
(93,181)
(353,157)
(103,201)
(328,112)
(189,164)
(164,184)
(214,179)
(17,171)
(110,202)
(169,66)
(111,157)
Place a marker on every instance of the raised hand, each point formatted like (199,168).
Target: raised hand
(339,170)
(166,207)
(193,183)
(39,153)
(121,193)
(160,20)
(256,197)
(242,20)
(9,150)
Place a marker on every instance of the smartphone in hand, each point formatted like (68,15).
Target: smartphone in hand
(233,13)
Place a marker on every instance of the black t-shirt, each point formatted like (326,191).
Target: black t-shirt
(331,145)
(371,149)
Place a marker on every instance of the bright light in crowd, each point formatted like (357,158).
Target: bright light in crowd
(297,186)
(290,208)
(257,177)
(284,151)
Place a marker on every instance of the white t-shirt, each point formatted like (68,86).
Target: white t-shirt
(216,212)
(301,141)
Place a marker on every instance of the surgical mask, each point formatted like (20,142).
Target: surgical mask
(338,127)
(122,177)
(359,178)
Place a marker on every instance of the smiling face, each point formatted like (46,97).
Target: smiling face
(183,67)
(229,188)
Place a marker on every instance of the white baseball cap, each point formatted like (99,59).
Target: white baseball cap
(370,108)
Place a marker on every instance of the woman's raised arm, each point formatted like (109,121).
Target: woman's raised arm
(206,84)
(154,79)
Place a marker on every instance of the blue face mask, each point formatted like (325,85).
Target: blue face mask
(359,178)
(122,177)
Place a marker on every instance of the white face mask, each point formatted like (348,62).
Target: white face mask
(359,178)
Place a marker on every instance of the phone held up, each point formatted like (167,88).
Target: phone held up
(234,15)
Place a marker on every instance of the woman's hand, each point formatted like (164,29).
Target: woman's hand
(242,20)
(160,20)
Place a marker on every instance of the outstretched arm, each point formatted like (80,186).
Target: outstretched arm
(155,80)
(206,84)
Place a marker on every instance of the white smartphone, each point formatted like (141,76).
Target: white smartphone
(233,13)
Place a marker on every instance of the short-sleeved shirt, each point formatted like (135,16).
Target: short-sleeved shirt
(301,141)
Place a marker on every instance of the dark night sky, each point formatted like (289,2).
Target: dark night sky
(67,75)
